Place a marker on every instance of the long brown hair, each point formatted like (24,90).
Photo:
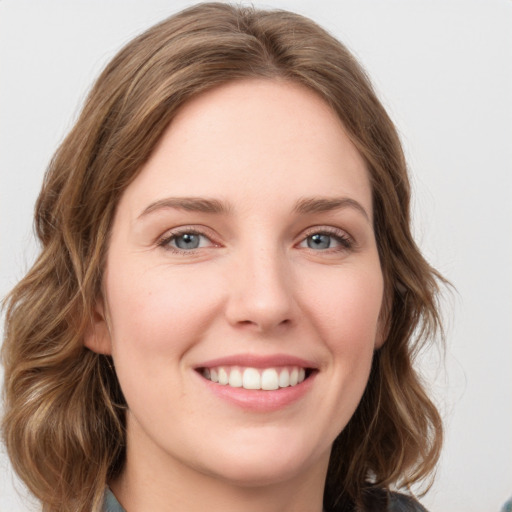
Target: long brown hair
(64,411)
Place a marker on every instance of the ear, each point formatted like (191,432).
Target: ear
(97,337)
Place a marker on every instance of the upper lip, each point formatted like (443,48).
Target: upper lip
(258,361)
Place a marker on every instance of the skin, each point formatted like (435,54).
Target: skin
(253,286)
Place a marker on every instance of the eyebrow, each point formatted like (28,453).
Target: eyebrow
(191,204)
(302,206)
(327,204)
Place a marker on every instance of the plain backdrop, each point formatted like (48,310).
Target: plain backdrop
(443,69)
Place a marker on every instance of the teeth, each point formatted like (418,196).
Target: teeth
(284,378)
(269,379)
(223,377)
(235,378)
(251,378)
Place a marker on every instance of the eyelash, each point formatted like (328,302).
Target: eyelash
(345,241)
(166,240)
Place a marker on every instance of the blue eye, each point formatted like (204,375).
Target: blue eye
(319,241)
(338,240)
(187,241)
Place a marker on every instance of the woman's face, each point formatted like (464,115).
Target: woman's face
(243,289)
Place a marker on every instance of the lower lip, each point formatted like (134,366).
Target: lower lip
(259,400)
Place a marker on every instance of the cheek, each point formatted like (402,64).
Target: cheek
(348,321)
(344,306)
(156,317)
(159,312)
(347,307)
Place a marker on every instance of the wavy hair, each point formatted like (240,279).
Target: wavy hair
(64,424)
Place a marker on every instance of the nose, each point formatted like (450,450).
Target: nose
(261,294)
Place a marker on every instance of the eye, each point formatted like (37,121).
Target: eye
(185,241)
(324,240)
(319,241)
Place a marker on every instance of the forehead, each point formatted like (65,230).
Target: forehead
(247,140)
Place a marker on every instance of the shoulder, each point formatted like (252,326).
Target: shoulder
(402,503)
(110,503)
(379,500)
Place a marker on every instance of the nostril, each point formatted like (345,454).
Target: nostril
(264,324)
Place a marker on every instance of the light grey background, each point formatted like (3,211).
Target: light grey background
(443,68)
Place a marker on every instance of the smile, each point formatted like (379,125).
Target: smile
(268,379)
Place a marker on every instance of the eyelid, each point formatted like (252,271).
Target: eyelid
(326,230)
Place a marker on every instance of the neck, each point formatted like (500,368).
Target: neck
(176,497)
(168,485)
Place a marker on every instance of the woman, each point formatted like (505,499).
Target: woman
(228,299)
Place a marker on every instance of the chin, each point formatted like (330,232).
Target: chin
(248,474)
(263,464)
